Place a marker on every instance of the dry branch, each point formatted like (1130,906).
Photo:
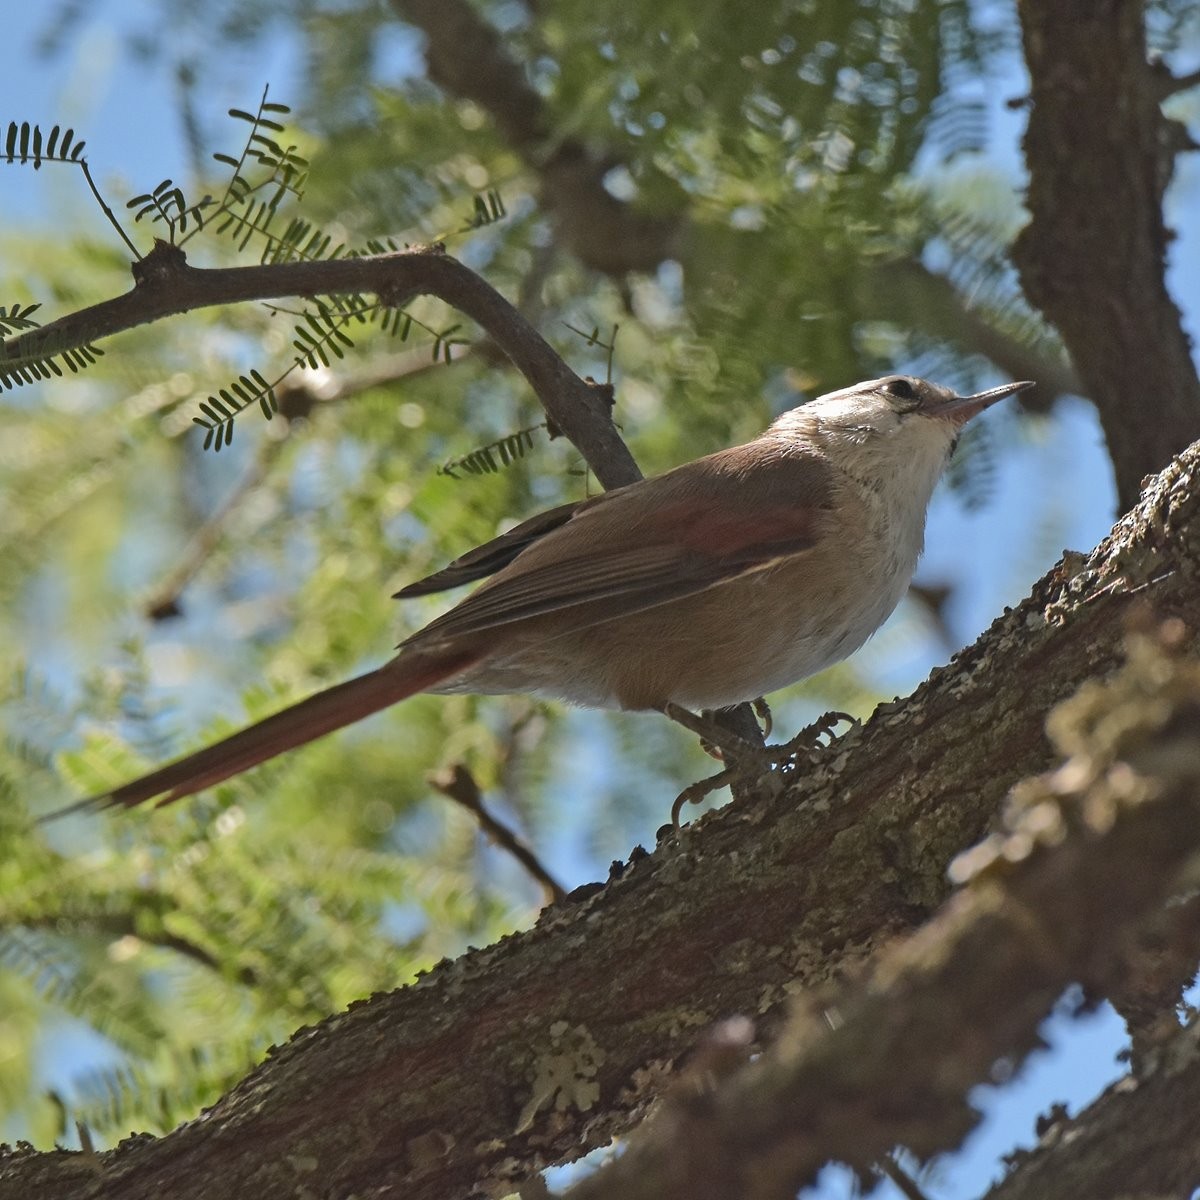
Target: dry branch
(466,56)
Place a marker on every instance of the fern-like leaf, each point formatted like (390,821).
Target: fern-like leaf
(167,204)
(302,241)
(489,208)
(495,456)
(319,338)
(220,410)
(249,204)
(17,319)
(17,370)
(25,143)
(445,341)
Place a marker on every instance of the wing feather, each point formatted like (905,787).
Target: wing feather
(618,584)
(494,555)
(736,512)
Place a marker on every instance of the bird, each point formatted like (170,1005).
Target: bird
(715,582)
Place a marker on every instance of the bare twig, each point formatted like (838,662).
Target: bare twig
(458,784)
(118,925)
(1166,84)
(909,1187)
(164,600)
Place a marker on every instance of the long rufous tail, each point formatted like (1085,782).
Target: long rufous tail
(331,709)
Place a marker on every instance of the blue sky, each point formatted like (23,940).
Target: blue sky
(1053,487)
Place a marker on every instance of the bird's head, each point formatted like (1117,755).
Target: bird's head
(898,411)
(896,432)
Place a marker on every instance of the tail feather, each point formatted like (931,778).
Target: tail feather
(331,709)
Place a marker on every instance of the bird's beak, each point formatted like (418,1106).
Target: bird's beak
(960,409)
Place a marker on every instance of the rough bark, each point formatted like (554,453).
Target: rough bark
(1137,1141)
(545,1045)
(1100,154)
(1114,831)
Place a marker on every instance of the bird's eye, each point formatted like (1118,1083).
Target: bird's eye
(901,389)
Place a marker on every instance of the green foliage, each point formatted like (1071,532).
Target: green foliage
(14,318)
(219,410)
(262,177)
(253,933)
(167,204)
(495,455)
(29,368)
(33,368)
(250,203)
(25,143)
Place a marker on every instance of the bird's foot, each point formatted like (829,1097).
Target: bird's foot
(809,738)
(744,759)
(695,792)
(762,710)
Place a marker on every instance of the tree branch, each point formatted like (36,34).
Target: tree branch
(297,399)
(466,57)
(165,598)
(165,286)
(1137,1140)
(536,1049)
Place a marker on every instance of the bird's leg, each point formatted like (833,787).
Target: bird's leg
(725,734)
(715,735)
(762,710)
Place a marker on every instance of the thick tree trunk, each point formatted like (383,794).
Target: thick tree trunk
(1100,154)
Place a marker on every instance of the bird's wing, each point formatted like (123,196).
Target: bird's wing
(498,553)
(639,551)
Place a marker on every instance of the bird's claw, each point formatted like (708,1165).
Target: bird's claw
(762,710)
(694,793)
(809,738)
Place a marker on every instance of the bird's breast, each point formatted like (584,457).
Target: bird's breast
(735,641)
